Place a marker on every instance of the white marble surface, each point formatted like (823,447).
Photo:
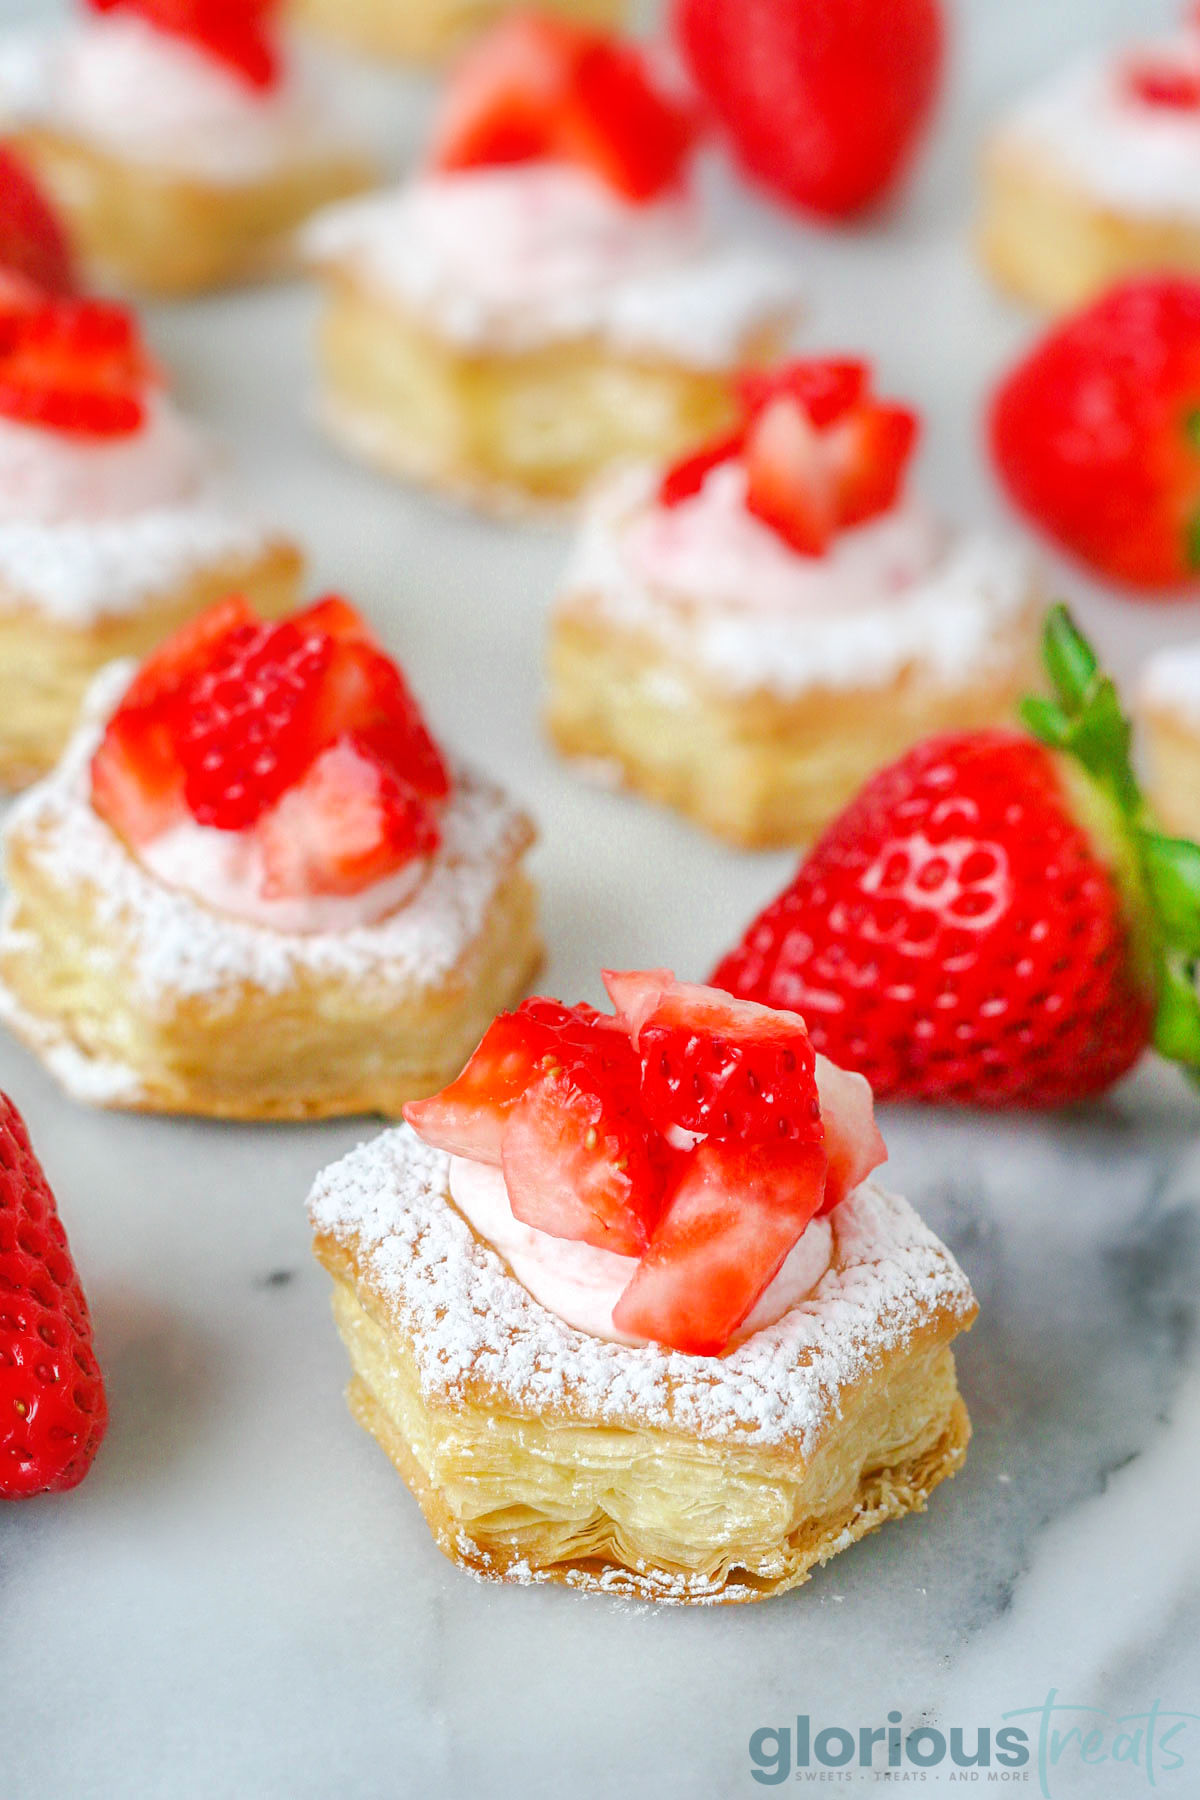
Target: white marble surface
(242,1601)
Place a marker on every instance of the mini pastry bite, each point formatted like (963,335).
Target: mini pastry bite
(1169,715)
(53,1408)
(254,888)
(1023,928)
(543,299)
(114,527)
(746,635)
(627,1312)
(182,139)
(1096,176)
(1093,434)
(428,31)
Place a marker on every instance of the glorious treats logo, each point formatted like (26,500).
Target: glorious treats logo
(1034,1744)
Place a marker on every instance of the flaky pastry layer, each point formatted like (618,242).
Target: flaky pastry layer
(431,30)
(1043,238)
(758,768)
(539,1454)
(160,233)
(506,430)
(47,665)
(138,996)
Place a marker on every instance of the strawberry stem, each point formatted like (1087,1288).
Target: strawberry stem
(1084,720)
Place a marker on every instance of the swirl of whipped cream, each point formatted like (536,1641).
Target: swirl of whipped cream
(55,478)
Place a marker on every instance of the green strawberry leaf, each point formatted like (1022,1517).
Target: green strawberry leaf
(1084,720)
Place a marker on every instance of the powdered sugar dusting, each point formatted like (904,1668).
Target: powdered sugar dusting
(85,571)
(176,946)
(471,1320)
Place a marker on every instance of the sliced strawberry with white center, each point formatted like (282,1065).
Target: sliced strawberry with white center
(580,1160)
(539,88)
(235,33)
(467,1118)
(75,366)
(348,823)
(870,449)
(726,1232)
(854,1145)
(790,482)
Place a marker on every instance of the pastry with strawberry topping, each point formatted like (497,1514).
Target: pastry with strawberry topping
(746,634)
(997,920)
(183,140)
(628,1311)
(429,31)
(1168,707)
(256,888)
(115,522)
(544,298)
(1096,175)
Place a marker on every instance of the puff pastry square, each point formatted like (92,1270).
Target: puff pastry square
(157,232)
(47,662)
(505,430)
(539,1454)
(431,30)
(1046,239)
(136,995)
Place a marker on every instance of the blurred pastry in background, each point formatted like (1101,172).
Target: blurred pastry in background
(1168,705)
(746,635)
(114,524)
(429,30)
(1096,175)
(255,889)
(544,299)
(182,145)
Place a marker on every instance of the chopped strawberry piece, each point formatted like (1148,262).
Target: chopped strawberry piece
(872,448)
(348,823)
(236,33)
(467,1118)
(137,783)
(580,1159)
(187,652)
(1157,82)
(337,618)
(854,1146)
(33,244)
(538,88)
(363,692)
(686,477)
(726,1231)
(250,731)
(719,1068)
(790,484)
(75,366)
(827,388)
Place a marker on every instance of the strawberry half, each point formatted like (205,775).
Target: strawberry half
(348,822)
(75,366)
(539,88)
(235,33)
(995,920)
(728,1227)
(53,1410)
(33,243)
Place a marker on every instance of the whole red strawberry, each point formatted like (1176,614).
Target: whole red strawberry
(1096,433)
(993,921)
(825,100)
(53,1411)
(33,245)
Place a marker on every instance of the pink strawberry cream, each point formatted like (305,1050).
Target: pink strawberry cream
(660,1174)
